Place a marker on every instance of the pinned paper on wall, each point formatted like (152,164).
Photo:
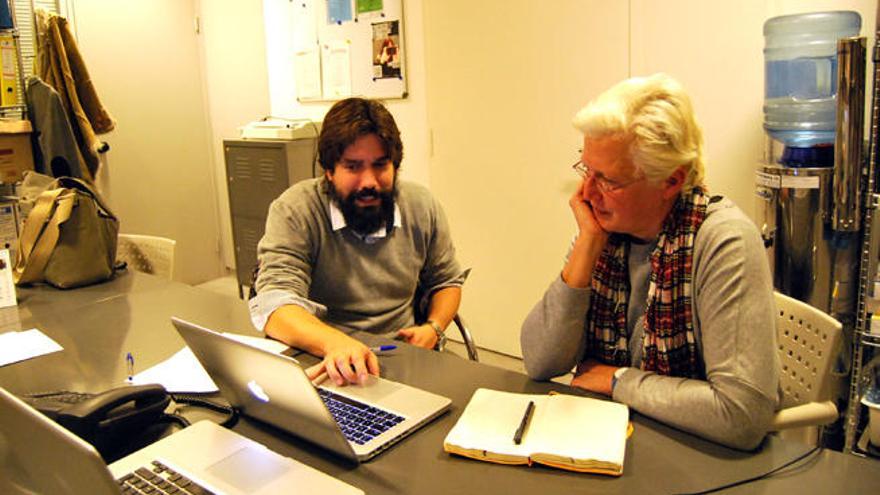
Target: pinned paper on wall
(386,50)
(336,65)
(305,27)
(338,11)
(331,58)
(368,9)
(307,71)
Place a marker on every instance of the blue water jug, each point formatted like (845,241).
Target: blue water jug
(800,75)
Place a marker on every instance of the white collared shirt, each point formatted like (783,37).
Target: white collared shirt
(337,222)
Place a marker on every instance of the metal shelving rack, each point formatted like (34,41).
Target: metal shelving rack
(862,337)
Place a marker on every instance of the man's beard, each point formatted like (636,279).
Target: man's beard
(365,220)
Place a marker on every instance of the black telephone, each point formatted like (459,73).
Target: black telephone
(108,418)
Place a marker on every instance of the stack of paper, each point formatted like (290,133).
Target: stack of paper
(182,372)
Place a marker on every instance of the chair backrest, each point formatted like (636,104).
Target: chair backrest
(808,342)
(147,254)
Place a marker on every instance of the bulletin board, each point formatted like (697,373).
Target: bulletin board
(348,48)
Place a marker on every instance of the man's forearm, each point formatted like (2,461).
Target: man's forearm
(298,328)
(444,305)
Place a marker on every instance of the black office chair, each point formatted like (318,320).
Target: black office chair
(420,316)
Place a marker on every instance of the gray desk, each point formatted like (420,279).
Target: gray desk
(98,325)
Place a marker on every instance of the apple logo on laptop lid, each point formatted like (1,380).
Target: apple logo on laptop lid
(257,391)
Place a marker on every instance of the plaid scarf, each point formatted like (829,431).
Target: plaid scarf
(668,344)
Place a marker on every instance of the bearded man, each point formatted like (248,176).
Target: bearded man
(350,250)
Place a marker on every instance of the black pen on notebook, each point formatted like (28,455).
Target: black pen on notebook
(524,424)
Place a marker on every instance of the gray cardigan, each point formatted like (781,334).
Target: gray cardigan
(734,319)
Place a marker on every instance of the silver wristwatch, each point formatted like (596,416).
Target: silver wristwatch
(441,336)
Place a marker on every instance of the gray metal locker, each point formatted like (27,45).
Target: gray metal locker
(257,172)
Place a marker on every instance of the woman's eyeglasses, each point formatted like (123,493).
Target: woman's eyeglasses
(603,183)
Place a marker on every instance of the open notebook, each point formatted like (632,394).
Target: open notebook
(565,431)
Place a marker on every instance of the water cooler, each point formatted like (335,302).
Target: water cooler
(811,183)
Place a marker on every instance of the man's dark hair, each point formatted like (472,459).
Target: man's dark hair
(352,118)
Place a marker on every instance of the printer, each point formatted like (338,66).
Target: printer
(280,128)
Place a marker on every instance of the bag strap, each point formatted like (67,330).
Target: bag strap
(74,183)
(41,232)
(36,221)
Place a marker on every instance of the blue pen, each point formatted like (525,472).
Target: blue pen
(129,360)
(383,348)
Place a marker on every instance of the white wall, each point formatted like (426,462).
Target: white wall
(233,49)
(143,57)
(501,95)
(177,94)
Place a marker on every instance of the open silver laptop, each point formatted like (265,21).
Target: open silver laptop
(274,389)
(39,456)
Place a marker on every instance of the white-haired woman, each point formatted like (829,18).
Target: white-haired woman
(665,299)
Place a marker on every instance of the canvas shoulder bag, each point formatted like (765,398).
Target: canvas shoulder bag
(69,237)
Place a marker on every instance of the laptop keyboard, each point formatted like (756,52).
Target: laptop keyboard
(359,422)
(159,479)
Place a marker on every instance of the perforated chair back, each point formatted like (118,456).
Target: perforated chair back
(147,254)
(808,341)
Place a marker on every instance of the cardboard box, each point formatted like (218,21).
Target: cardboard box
(15,150)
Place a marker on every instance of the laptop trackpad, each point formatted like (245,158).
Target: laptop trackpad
(249,468)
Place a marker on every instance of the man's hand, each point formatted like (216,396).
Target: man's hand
(346,361)
(594,376)
(588,245)
(422,336)
(583,214)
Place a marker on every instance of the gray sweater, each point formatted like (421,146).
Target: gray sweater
(349,282)
(734,319)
